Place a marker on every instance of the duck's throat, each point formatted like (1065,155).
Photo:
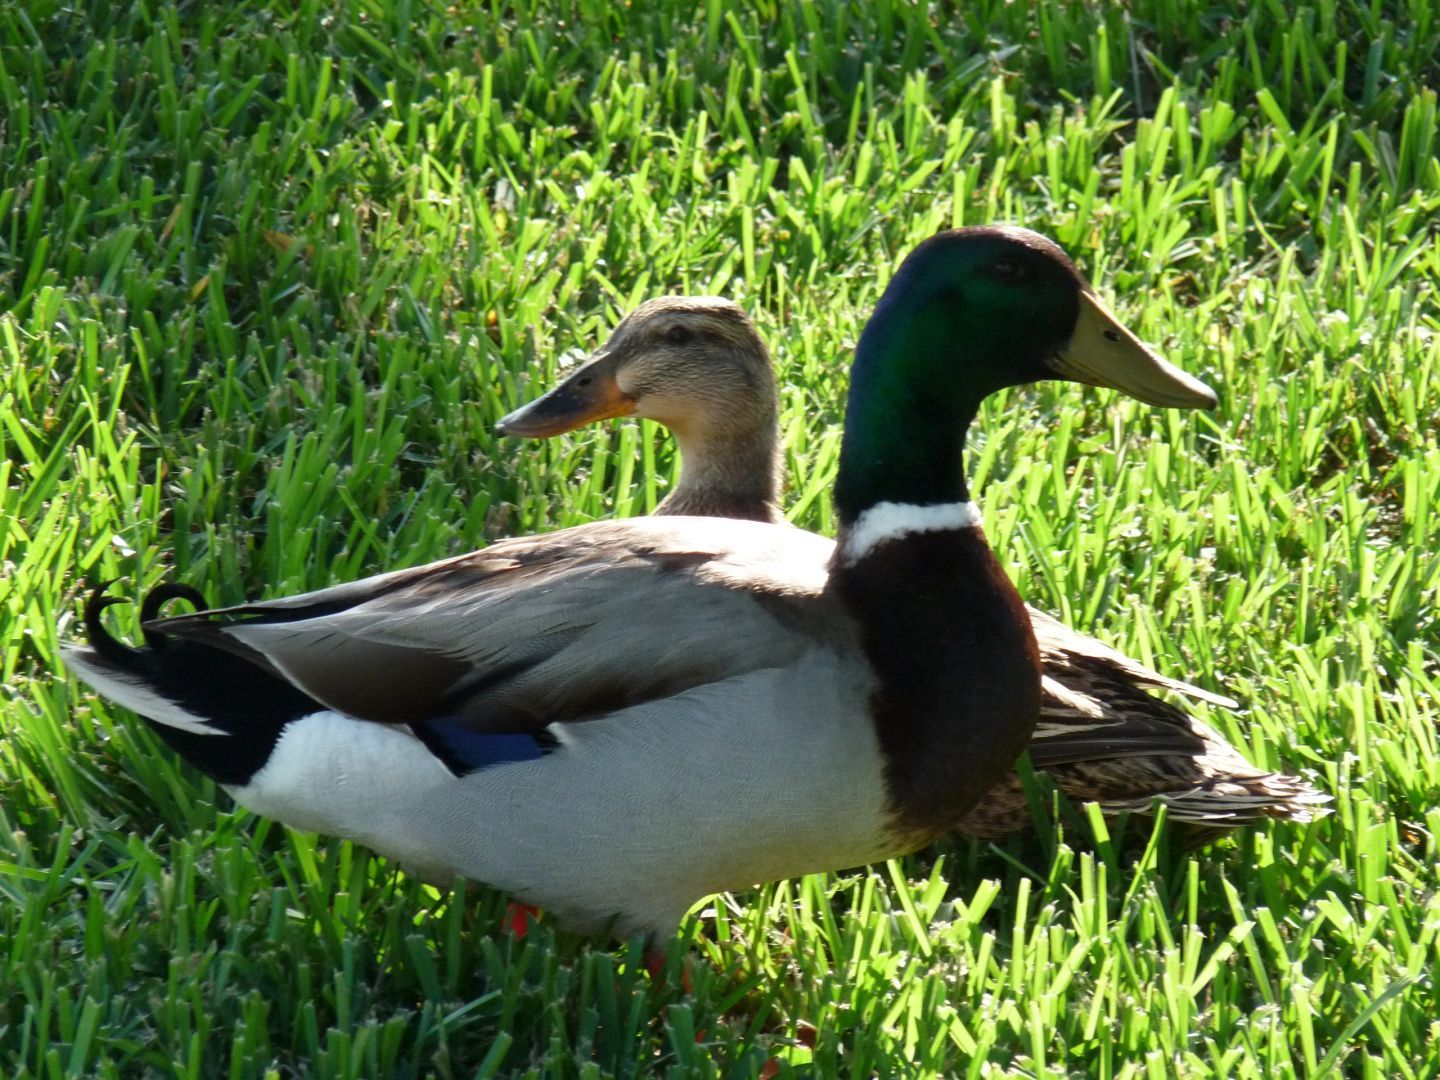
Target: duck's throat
(732,474)
(902,479)
(913,463)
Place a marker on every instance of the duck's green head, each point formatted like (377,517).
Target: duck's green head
(969,312)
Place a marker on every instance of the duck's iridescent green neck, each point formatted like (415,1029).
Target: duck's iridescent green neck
(911,404)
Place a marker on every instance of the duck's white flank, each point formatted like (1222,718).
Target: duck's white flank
(331,773)
(133,693)
(641,813)
(890,521)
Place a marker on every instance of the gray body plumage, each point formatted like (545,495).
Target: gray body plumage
(744,751)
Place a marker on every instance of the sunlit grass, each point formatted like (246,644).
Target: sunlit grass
(271,271)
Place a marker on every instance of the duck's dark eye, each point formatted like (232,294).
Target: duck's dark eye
(1007,270)
(678,335)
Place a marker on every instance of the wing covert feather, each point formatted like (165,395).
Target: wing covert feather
(561,626)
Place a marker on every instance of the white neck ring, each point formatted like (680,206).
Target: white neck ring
(890,521)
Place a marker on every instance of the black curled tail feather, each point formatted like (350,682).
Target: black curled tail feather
(112,648)
(100,639)
(219,710)
(157,598)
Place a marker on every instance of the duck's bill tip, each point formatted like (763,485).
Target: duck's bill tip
(523,426)
(572,404)
(1102,352)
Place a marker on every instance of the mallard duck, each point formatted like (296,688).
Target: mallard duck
(698,366)
(668,707)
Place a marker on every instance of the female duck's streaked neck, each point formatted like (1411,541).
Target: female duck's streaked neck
(730,466)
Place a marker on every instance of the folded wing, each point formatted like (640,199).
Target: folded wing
(558,627)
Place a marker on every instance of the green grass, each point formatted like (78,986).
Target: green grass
(270,271)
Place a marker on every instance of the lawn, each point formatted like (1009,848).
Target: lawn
(269,272)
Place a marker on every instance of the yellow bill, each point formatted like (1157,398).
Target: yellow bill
(1102,352)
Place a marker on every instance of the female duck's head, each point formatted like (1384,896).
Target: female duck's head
(692,363)
(969,312)
(696,365)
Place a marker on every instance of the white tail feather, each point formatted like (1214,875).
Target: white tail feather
(131,691)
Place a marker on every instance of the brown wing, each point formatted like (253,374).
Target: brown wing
(1097,706)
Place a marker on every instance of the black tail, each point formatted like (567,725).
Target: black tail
(215,709)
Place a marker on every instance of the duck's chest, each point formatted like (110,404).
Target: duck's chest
(955,668)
